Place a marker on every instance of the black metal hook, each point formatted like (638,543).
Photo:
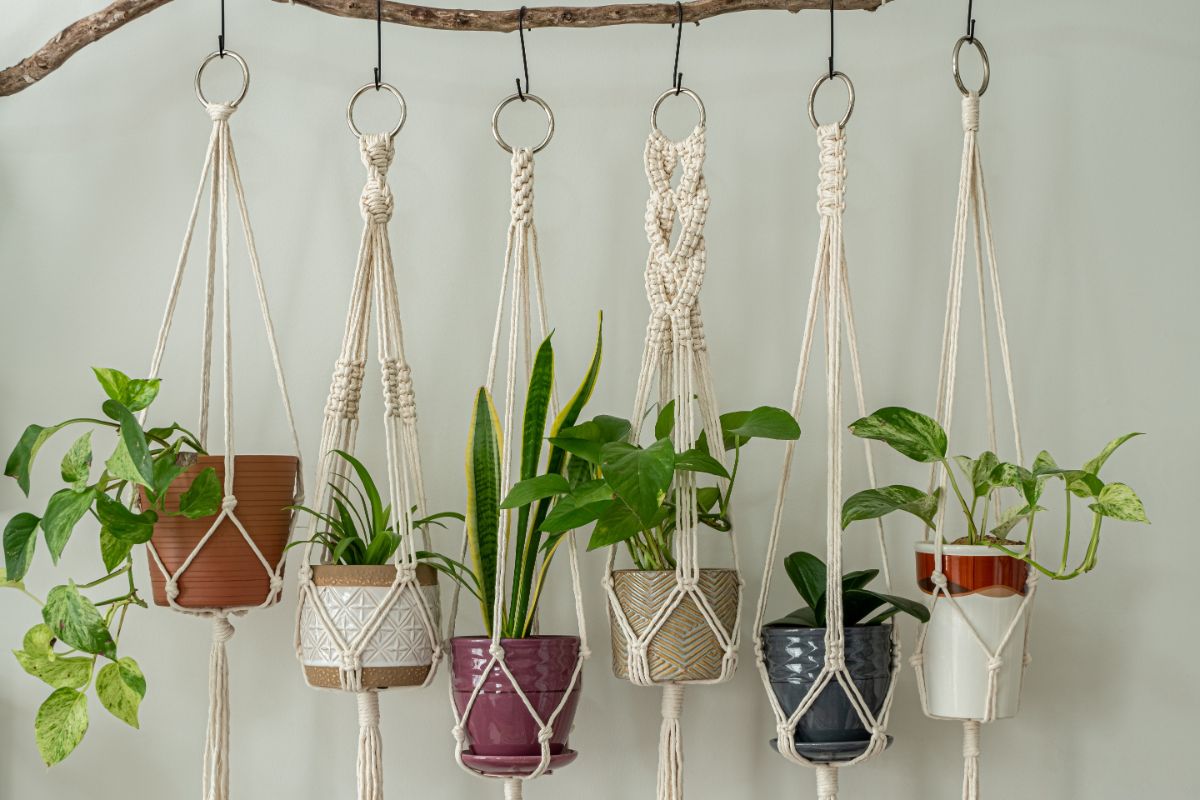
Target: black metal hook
(970,21)
(524,56)
(221,36)
(378,44)
(831,39)
(676,75)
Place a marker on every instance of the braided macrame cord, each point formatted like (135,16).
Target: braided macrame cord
(972,218)
(829,297)
(521,288)
(220,171)
(677,352)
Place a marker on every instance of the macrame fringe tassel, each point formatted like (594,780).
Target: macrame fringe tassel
(970,760)
(670,745)
(216,745)
(514,789)
(827,782)
(370,747)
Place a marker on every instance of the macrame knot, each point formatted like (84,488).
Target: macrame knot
(345,390)
(672,701)
(970,112)
(276,584)
(1026,660)
(368,710)
(995,663)
(496,651)
(220,112)
(377,201)
(398,394)
(377,151)
(522,185)
(917,660)
(689,584)
(228,503)
(939,579)
(172,589)
(545,734)
(351,662)
(304,574)
(222,629)
(835,657)
(460,734)
(971,739)
(831,189)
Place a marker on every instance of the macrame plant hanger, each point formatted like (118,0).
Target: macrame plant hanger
(677,353)
(521,285)
(973,218)
(220,170)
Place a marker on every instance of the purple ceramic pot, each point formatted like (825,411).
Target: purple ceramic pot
(499,724)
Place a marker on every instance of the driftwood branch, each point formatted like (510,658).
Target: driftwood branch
(92,28)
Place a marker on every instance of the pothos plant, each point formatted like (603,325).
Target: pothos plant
(631,492)
(76,646)
(922,439)
(860,606)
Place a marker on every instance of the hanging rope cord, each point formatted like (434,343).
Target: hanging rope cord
(523,272)
(677,351)
(830,293)
(219,171)
(972,210)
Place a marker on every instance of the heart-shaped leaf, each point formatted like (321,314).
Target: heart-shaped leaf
(913,434)
(77,622)
(121,687)
(60,725)
(640,477)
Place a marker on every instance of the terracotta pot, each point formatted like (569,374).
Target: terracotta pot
(503,735)
(401,651)
(685,647)
(989,587)
(226,573)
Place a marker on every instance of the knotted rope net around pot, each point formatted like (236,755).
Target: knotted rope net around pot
(973,219)
(219,172)
(830,293)
(361,629)
(682,627)
(521,287)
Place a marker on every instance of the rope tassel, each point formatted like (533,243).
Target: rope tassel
(370,747)
(827,782)
(971,760)
(670,744)
(216,746)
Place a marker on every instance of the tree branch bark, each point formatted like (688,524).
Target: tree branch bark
(92,28)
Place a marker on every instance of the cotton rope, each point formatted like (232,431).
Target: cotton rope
(219,171)
(830,293)
(522,275)
(374,282)
(677,351)
(972,208)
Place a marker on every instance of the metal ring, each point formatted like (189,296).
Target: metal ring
(362,90)
(536,101)
(987,67)
(245,77)
(812,98)
(671,93)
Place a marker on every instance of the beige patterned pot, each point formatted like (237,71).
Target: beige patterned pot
(401,651)
(685,647)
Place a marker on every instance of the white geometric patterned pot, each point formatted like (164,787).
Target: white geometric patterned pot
(401,651)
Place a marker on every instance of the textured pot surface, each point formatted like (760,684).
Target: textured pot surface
(685,647)
(795,657)
(499,724)
(989,587)
(225,572)
(400,653)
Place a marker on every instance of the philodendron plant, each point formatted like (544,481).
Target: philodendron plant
(860,606)
(922,439)
(76,645)
(628,490)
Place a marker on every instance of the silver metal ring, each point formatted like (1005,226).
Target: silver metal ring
(987,67)
(671,93)
(533,98)
(362,90)
(812,98)
(245,77)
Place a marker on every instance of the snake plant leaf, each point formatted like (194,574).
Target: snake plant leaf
(63,512)
(61,722)
(483,498)
(20,539)
(1118,501)
(533,430)
(909,432)
(875,503)
(808,575)
(1093,466)
(121,687)
(76,621)
(700,461)
(639,476)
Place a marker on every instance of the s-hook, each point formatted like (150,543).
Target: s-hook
(831,69)
(521,93)
(378,44)
(221,35)
(676,75)
(971,21)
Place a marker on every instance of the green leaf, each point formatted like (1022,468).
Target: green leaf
(20,539)
(859,579)
(203,497)
(1118,501)
(20,461)
(981,472)
(1017,477)
(134,440)
(1009,518)
(617,524)
(640,477)
(801,617)
(875,503)
(77,463)
(77,622)
(586,439)
(808,575)
(764,422)
(61,723)
(483,498)
(39,660)
(122,523)
(113,381)
(368,486)
(166,469)
(63,512)
(858,599)
(707,497)
(665,423)
(1096,463)
(585,449)
(576,510)
(140,393)
(913,434)
(527,491)
(9,583)
(113,551)
(537,405)
(700,461)
(121,687)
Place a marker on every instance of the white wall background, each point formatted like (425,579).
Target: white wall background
(1085,129)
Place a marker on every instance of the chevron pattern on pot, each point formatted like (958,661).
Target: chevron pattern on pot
(685,648)
(401,640)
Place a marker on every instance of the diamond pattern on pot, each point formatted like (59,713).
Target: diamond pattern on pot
(401,640)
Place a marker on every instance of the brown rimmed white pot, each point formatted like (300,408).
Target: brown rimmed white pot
(685,648)
(401,651)
(225,572)
(989,587)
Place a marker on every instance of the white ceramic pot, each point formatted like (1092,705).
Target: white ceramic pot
(989,587)
(401,651)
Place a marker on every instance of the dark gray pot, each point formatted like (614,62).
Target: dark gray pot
(795,656)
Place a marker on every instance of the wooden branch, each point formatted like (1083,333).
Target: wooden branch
(92,28)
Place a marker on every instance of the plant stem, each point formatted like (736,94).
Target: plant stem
(1067,535)
(107,577)
(972,532)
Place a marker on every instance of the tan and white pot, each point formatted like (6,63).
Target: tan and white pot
(401,651)
(685,647)
(989,587)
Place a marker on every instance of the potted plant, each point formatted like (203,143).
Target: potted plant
(76,644)
(503,736)
(986,570)
(359,540)
(630,493)
(794,652)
